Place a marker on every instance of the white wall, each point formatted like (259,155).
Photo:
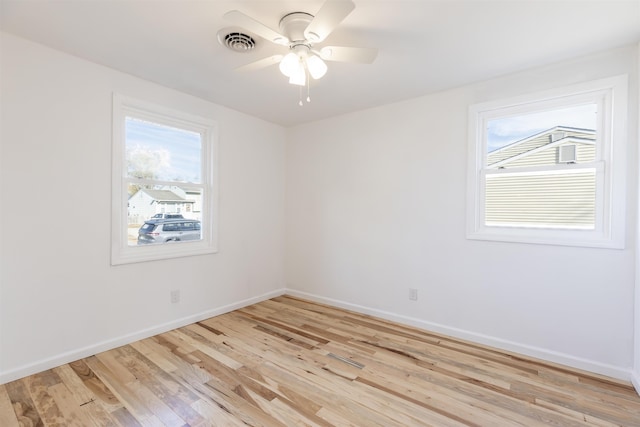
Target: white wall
(60,298)
(376,205)
(636,370)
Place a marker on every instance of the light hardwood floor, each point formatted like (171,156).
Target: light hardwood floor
(289,362)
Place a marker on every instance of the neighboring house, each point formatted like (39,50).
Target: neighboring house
(196,209)
(146,203)
(534,182)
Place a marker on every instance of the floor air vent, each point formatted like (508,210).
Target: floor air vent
(347,361)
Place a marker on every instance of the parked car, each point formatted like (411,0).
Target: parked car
(167,216)
(168,230)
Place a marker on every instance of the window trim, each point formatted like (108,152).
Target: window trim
(610,165)
(121,252)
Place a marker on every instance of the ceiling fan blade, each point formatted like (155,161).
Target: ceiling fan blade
(261,63)
(361,55)
(328,17)
(248,23)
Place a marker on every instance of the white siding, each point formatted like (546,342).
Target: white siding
(557,198)
(585,153)
(552,199)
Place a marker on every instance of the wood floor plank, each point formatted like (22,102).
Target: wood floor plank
(206,348)
(455,385)
(7,414)
(23,406)
(216,416)
(161,384)
(74,415)
(38,387)
(291,362)
(88,402)
(103,394)
(120,389)
(125,418)
(156,405)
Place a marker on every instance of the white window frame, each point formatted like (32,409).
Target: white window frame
(610,165)
(121,252)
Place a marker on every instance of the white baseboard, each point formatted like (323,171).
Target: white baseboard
(510,346)
(540,353)
(71,356)
(635,380)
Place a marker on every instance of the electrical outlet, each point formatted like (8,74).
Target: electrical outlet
(413,294)
(175,296)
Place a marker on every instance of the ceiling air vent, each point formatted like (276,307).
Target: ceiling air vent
(237,42)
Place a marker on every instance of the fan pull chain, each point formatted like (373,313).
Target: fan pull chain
(300,103)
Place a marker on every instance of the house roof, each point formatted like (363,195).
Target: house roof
(534,142)
(165,196)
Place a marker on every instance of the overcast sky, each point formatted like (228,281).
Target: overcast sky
(505,131)
(171,154)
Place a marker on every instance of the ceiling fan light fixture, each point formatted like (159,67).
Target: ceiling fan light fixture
(316,66)
(301,31)
(299,78)
(290,64)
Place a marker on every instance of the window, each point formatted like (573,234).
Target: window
(163,164)
(550,168)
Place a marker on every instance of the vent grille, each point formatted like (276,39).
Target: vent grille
(346,360)
(239,42)
(567,153)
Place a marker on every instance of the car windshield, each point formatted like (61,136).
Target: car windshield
(147,227)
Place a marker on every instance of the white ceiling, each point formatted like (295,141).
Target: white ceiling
(424,45)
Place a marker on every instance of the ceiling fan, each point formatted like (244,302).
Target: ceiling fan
(301,33)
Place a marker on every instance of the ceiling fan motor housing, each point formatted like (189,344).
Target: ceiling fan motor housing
(293,25)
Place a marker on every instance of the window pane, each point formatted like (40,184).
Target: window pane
(543,168)
(162,231)
(558,136)
(150,204)
(563,199)
(163,174)
(155,151)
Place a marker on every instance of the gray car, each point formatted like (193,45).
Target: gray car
(169,230)
(167,216)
